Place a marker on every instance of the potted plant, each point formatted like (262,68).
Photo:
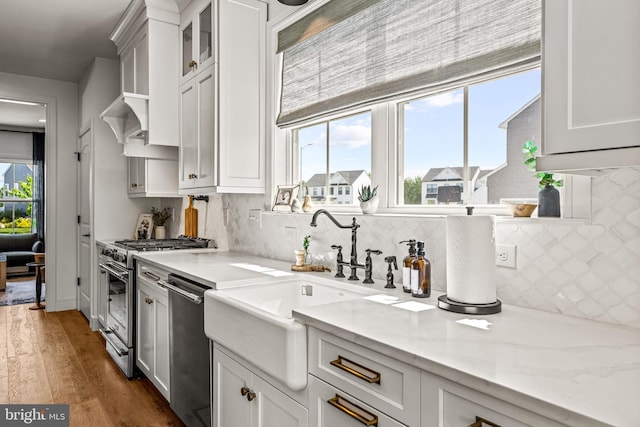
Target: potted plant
(160,217)
(302,255)
(368,199)
(548,196)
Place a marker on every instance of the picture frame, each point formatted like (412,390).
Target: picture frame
(144,226)
(284,198)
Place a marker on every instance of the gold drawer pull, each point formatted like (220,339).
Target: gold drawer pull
(481,422)
(359,371)
(354,411)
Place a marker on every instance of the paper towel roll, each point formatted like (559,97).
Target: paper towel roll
(471,264)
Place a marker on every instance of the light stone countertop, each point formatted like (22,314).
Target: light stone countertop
(575,371)
(544,362)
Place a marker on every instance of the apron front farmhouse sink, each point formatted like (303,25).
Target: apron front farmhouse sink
(255,321)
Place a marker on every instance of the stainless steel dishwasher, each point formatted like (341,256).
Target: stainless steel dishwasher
(190,352)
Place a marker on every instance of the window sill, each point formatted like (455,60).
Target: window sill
(502,214)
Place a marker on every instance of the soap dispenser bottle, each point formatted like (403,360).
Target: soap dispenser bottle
(406,265)
(421,274)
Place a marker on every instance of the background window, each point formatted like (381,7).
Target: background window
(16,201)
(502,114)
(335,153)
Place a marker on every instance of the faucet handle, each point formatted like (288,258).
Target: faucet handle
(338,247)
(373,251)
(391,260)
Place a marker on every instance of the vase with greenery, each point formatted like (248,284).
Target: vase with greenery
(160,218)
(302,255)
(548,196)
(368,199)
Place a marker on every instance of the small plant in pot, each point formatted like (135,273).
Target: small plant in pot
(160,218)
(548,196)
(368,199)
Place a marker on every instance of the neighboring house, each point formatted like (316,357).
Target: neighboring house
(513,180)
(445,186)
(343,186)
(12,176)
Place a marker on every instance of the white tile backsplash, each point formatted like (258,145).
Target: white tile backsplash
(588,270)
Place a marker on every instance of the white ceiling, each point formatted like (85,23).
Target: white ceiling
(58,39)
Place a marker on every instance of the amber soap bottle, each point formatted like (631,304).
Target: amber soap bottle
(421,274)
(406,265)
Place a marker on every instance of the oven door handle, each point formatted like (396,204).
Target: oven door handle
(106,334)
(196,299)
(120,275)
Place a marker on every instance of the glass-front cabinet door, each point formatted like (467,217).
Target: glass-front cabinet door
(196,32)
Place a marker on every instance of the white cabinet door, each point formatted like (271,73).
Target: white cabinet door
(242,68)
(152,177)
(152,340)
(161,345)
(137,175)
(197,39)
(197,131)
(591,65)
(230,407)
(274,408)
(243,399)
(188,153)
(145,331)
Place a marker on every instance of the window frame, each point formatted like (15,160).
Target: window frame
(385,148)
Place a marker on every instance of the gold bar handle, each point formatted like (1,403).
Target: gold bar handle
(481,422)
(354,411)
(359,371)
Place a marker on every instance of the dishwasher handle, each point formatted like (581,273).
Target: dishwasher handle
(196,299)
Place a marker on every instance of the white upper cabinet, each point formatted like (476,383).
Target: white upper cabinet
(591,64)
(197,39)
(146,113)
(222,97)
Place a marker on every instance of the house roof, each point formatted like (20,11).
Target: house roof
(319,179)
(432,174)
(505,123)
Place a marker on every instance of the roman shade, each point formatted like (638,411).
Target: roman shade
(386,49)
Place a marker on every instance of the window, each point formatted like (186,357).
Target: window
(502,114)
(441,129)
(334,153)
(16,203)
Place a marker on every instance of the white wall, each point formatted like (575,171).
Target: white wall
(572,267)
(113,213)
(60,174)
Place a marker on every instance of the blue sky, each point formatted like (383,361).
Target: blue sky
(433,130)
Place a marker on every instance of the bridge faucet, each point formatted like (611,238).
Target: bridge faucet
(353,262)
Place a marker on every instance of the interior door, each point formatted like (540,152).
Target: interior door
(84,220)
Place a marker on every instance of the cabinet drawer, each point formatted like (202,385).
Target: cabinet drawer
(330,407)
(147,281)
(382,382)
(449,404)
(458,411)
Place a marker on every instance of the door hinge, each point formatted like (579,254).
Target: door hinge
(78,154)
(78,219)
(78,281)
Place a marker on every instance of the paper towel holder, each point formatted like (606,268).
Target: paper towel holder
(464,308)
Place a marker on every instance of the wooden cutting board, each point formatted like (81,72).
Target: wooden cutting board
(191,220)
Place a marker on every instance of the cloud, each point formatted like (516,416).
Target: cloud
(352,136)
(443,100)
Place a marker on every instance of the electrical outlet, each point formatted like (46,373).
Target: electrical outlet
(290,233)
(506,256)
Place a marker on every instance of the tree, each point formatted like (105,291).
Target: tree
(24,191)
(413,191)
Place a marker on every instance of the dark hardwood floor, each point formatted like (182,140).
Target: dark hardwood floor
(56,358)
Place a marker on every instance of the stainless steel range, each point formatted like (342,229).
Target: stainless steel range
(117,269)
